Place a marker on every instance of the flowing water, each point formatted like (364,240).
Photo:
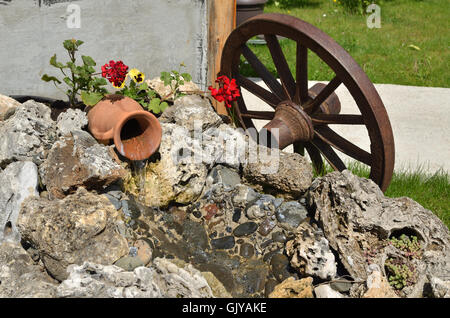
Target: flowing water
(138,172)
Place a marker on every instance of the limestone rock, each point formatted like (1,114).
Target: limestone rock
(325,291)
(377,285)
(191,112)
(310,253)
(224,145)
(17,182)
(80,227)
(8,106)
(279,172)
(178,176)
(71,120)
(78,160)
(27,135)
(291,288)
(166,92)
(163,279)
(439,287)
(358,221)
(20,277)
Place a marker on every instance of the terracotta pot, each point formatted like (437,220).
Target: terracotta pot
(135,132)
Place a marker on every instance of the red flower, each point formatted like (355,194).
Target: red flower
(228,90)
(115,72)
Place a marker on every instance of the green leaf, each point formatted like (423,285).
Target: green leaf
(154,105)
(166,78)
(69,45)
(143,87)
(78,43)
(163,106)
(187,77)
(68,81)
(48,78)
(91,99)
(87,60)
(100,81)
(54,63)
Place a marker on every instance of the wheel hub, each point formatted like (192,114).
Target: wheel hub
(290,124)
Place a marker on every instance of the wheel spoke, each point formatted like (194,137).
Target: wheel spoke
(301,91)
(332,138)
(316,158)
(264,73)
(257,90)
(287,80)
(312,106)
(337,119)
(258,115)
(329,154)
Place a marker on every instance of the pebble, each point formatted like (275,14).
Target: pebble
(266,226)
(129,263)
(247,250)
(279,237)
(197,214)
(223,243)
(144,251)
(237,215)
(114,201)
(255,212)
(279,265)
(245,229)
(292,213)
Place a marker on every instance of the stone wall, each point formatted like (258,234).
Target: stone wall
(152,35)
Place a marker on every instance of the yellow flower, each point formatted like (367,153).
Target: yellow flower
(121,86)
(136,75)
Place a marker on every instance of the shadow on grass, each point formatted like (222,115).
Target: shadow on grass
(290,4)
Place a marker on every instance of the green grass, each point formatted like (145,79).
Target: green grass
(432,191)
(385,54)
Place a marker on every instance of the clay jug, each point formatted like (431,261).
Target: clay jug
(135,132)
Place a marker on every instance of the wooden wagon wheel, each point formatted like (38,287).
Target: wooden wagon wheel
(303,114)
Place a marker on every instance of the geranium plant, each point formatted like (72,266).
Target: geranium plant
(79,78)
(227,92)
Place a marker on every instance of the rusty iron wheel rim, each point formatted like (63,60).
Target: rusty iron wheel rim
(347,72)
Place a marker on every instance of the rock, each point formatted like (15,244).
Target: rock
(223,243)
(279,237)
(291,214)
(27,135)
(81,227)
(163,279)
(342,285)
(377,285)
(439,287)
(266,226)
(247,250)
(17,182)
(8,106)
(226,176)
(71,120)
(217,287)
(279,265)
(244,196)
(129,263)
(358,221)
(325,291)
(20,277)
(191,112)
(178,176)
(291,288)
(224,145)
(78,160)
(245,229)
(166,92)
(144,251)
(280,173)
(310,253)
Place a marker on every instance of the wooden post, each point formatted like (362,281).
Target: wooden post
(222,20)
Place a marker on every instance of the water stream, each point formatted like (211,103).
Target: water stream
(138,172)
